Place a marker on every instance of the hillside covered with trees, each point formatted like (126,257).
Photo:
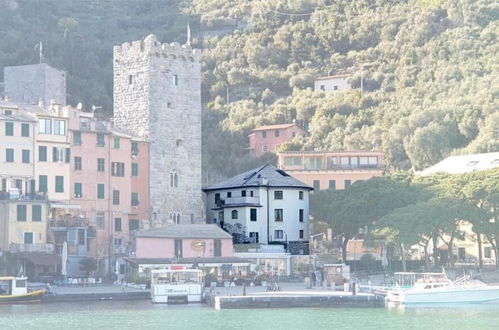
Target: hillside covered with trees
(430,68)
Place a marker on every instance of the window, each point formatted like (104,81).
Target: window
(59,184)
(252,214)
(45,126)
(130,79)
(251,193)
(317,185)
(42,153)
(135,199)
(217,248)
(100,191)
(116,142)
(26,156)
(100,164)
(313,163)
(278,194)
(235,214)
(78,190)
(254,236)
(178,248)
(264,134)
(25,130)
(9,129)
(7,112)
(276,133)
(292,161)
(117,224)
(100,220)
(43,183)
(345,162)
(117,169)
(173,179)
(4,184)
(301,233)
(59,127)
(57,154)
(323,88)
(354,162)
(9,155)
(28,238)
(175,80)
(278,215)
(278,234)
(32,187)
(300,195)
(243,193)
(81,236)
(335,87)
(265,149)
(100,140)
(229,194)
(133,224)
(116,197)
(21,212)
(67,155)
(217,197)
(77,138)
(487,252)
(78,163)
(293,134)
(332,184)
(300,217)
(135,169)
(348,183)
(19,185)
(135,149)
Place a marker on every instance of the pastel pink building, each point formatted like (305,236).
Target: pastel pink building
(269,138)
(183,241)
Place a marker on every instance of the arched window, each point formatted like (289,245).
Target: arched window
(175,180)
(235,214)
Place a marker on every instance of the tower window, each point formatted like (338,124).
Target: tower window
(130,79)
(175,80)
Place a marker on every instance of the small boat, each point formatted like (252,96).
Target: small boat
(440,290)
(14,290)
(177,285)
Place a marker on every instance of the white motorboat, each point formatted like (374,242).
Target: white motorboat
(177,285)
(444,291)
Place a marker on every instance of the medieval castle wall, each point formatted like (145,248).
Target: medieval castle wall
(157,95)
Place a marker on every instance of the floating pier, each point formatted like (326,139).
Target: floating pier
(293,300)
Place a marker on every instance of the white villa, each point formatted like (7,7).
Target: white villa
(264,206)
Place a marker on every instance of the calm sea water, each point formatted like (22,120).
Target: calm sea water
(144,315)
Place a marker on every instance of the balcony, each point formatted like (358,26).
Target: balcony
(41,247)
(69,222)
(15,195)
(238,201)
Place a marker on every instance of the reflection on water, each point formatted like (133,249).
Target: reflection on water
(145,315)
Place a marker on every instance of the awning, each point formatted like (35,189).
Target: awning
(41,259)
(65,206)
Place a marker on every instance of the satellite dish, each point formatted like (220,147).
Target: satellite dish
(79,106)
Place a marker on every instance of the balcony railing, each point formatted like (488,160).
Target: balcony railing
(69,222)
(39,247)
(26,197)
(241,200)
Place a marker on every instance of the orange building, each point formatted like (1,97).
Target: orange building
(269,138)
(332,169)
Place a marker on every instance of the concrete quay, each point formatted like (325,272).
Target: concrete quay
(95,293)
(294,298)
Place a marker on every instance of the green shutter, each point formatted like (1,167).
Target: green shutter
(68,155)
(78,189)
(59,184)
(9,155)
(42,183)
(135,169)
(36,213)
(21,212)
(100,191)
(42,153)
(26,156)
(54,154)
(9,129)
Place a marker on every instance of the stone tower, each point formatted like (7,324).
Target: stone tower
(35,82)
(157,95)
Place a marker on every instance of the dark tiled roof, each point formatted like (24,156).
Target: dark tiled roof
(266,175)
(200,260)
(186,231)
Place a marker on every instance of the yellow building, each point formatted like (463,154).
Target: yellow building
(23,224)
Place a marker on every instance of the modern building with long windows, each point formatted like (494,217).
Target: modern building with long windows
(332,169)
(262,206)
